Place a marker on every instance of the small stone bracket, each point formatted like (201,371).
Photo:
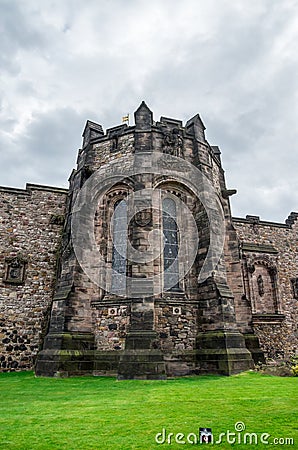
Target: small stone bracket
(173,142)
(226,193)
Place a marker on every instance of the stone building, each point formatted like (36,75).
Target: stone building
(138,269)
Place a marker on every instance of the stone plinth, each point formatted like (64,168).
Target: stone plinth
(222,352)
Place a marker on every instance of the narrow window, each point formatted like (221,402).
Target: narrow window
(170,250)
(119,251)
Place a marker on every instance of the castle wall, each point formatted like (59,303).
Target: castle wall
(269,253)
(30,231)
(49,302)
(190,324)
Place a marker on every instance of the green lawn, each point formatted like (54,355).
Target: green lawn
(102,413)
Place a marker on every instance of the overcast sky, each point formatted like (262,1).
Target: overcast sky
(235,62)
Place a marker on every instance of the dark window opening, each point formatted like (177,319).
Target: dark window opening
(170,250)
(119,252)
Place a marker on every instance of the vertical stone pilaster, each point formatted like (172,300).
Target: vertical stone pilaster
(141,358)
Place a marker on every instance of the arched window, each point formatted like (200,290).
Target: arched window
(119,251)
(170,250)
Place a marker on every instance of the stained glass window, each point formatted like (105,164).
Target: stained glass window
(119,252)
(170,251)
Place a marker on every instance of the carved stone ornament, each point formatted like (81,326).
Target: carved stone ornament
(173,143)
(15,270)
(143,217)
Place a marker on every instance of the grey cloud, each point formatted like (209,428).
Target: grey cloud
(233,62)
(26,88)
(47,152)
(18,31)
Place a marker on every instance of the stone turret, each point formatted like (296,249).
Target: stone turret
(166,318)
(138,270)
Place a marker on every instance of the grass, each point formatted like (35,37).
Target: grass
(101,413)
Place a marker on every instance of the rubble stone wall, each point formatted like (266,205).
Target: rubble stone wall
(30,229)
